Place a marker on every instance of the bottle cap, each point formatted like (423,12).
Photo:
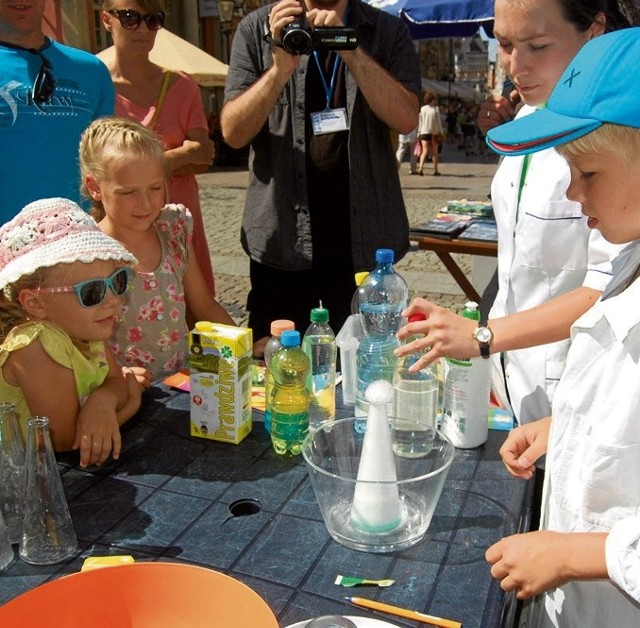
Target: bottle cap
(290,338)
(471,311)
(385,256)
(417,316)
(319,315)
(282,324)
(359,277)
(204,326)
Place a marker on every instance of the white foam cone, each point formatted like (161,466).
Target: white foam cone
(376,503)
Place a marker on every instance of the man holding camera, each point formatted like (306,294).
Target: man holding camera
(315,90)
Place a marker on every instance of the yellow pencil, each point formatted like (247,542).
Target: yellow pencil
(404,612)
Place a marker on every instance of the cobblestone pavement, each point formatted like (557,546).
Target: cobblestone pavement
(222,196)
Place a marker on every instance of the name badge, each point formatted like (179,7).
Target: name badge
(329,121)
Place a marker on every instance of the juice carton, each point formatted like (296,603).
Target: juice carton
(220,370)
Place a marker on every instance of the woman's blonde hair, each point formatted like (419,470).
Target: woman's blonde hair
(613,138)
(113,139)
(147,6)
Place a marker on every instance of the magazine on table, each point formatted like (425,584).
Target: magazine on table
(481,230)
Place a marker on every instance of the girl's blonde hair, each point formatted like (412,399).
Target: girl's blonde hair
(611,138)
(11,312)
(113,139)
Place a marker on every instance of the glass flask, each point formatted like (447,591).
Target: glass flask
(48,536)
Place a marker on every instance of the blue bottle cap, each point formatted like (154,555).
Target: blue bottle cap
(290,338)
(385,256)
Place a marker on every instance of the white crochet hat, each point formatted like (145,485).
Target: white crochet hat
(53,231)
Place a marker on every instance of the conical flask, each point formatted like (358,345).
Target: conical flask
(47,531)
(6,551)
(11,471)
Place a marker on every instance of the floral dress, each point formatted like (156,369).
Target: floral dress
(152,331)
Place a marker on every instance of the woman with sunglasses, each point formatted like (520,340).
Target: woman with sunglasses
(168,102)
(123,172)
(61,280)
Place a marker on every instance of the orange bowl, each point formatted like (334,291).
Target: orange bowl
(140,595)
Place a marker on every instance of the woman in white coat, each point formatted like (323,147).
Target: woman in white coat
(551,266)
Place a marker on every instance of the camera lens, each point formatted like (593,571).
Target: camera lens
(297,40)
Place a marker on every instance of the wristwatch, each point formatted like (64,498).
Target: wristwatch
(484,336)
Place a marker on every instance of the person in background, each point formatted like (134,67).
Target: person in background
(61,280)
(551,266)
(583,565)
(167,102)
(407,142)
(430,132)
(124,173)
(49,93)
(324,191)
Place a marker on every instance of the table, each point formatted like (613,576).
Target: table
(443,248)
(168,498)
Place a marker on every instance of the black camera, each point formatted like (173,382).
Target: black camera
(299,39)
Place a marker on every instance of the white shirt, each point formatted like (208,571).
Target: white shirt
(429,120)
(545,249)
(592,481)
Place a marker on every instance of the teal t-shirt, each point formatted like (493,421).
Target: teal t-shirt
(39,141)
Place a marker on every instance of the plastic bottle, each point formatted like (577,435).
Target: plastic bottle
(415,402)
(466,396)
(290,399)
(11,471)
(271,348)
(355,301)
(48,536)
(382,296)
(319,343)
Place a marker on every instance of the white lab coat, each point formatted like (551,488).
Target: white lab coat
(592,480)
(546,252)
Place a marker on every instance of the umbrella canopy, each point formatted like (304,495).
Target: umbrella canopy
(443,89)
(441,18)
(174,53)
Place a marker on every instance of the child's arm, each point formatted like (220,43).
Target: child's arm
(199,300)
(532,563)
(523,446)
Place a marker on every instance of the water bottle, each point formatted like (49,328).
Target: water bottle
(319,343)
(290,399)
(467,384)
(382,295)
(415,402)
(270,349)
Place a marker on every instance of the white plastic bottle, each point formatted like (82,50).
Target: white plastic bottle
(467,384)
(319,343)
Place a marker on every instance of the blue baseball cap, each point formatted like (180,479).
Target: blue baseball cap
(601,85)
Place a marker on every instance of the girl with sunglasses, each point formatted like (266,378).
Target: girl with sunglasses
(123,171)
(61,280)
(167,102)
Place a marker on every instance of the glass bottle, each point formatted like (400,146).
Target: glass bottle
(11,471)
(48,536)
(290,399)
(6,551)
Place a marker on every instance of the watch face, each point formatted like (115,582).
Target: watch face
(483,334)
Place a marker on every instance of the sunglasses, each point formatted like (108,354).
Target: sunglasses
(131,19)
(92,292)
(45,84)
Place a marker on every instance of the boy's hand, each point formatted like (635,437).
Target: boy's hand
(523,446)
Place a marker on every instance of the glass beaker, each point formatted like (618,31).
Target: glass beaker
(47,530)
(11,471)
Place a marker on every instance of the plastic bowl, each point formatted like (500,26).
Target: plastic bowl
(140,595)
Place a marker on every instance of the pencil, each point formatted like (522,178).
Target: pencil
(404,612)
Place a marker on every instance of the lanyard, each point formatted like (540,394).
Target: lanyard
(328,89)
(523,178)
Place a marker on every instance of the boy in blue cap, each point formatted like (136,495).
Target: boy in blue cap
(584,563)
